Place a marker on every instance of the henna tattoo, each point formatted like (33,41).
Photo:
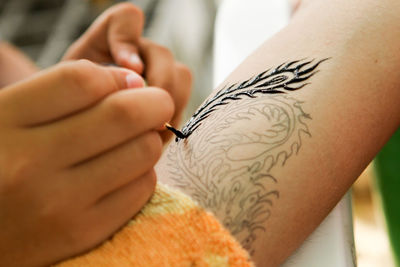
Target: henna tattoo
(283,78)
(227,164)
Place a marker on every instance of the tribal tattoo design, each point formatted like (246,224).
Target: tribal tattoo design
(227,163)
(282,79)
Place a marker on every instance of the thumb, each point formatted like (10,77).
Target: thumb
(127,56)
(125,29)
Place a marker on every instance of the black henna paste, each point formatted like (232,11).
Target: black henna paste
(282,79)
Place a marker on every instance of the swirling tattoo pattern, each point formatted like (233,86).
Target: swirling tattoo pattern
(226,163)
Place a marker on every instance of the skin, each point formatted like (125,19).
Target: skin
(14,65)
(80,140)
(348,124)
(48,197)
(338,122)
(112,38)
(115,37)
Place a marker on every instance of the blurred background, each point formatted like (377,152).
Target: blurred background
(43,29)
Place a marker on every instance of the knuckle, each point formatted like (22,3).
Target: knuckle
(79,77)
(85,63)
(81,66)
(80,70)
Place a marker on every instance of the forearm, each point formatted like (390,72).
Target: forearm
(296,152)
(14,66)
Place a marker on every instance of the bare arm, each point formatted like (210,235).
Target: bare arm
(274,159)
(14,65)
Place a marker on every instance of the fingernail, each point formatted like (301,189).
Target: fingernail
(135,59)
(134,80)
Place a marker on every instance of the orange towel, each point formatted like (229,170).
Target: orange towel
(171,230)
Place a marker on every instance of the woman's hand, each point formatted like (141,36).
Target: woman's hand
(161,70)
(115,38)
(78,146)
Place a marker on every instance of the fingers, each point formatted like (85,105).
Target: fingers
(61,91)
(125,29)
(159,63)
(117,167)
(183,81)
(182,86)
(112,38)
(115,120)
(163,71)
(116,209)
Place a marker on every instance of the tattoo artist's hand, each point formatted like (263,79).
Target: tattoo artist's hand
(161,70)
(115,38)
(112,38)
(76,161)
